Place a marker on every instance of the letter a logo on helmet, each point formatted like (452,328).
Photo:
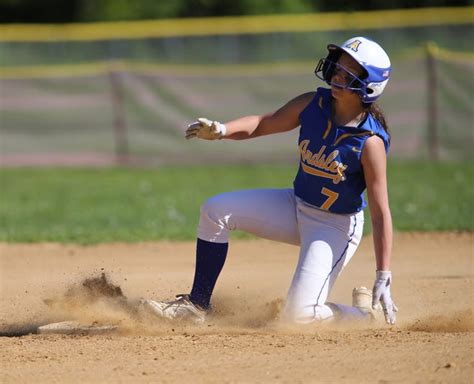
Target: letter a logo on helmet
(354,45)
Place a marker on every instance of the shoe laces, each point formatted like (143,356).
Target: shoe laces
(181,299)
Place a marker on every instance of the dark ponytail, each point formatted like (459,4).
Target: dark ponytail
(376,111)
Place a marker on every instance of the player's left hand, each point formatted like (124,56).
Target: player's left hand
(381,295)
(205,129)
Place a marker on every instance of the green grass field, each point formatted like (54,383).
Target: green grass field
(102,205)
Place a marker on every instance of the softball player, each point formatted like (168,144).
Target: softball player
(343,142)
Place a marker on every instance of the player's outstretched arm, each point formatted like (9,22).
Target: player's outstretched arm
(284,119)
(374,162)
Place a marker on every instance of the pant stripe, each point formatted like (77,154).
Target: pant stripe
(337,262)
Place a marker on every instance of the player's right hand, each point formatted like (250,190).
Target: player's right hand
(381,295)
(205,129)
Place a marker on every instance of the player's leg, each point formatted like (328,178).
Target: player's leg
(267,213)
(328,242)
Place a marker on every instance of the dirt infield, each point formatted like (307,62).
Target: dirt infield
(433,340)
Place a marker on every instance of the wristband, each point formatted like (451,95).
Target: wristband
(221,128)
(383,274)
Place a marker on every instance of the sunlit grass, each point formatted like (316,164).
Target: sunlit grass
(101,205)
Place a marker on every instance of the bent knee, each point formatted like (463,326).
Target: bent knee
(213,208)
(213,221)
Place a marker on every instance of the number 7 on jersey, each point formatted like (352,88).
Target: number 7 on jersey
(331,198)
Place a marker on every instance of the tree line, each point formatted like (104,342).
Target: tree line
(61,11)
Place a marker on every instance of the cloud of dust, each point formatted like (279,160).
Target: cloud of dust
(245,312)
(461,321)
(97,301)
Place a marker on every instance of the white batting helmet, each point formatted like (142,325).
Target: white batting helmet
(372,58)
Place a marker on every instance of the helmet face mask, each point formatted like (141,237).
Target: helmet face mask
(326,69)
(370,56)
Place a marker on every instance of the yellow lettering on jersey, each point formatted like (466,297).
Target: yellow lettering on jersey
(320,102)
(321,165)
(328,129)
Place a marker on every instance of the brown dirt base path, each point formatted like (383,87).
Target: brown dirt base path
(433,340)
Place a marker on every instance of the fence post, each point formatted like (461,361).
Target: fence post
(432,106)
(120,127)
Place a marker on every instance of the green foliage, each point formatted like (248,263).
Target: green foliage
(92,10)
(101,205)
(57,11)
(113,10)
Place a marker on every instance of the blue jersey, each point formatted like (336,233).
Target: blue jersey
(330,174)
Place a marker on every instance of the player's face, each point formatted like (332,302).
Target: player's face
(342,76)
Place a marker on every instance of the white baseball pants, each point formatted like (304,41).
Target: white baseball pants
(327,242)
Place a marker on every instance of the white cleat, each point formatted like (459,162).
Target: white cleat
(180,309)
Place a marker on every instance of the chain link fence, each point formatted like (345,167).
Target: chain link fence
(128,100)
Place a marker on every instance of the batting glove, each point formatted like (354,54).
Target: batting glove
(381,295)
(205,129)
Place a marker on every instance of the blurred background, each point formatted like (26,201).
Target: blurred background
(95,97)
(110,82)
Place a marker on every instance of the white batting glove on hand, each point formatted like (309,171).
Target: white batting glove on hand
(206,129)
(381,295)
